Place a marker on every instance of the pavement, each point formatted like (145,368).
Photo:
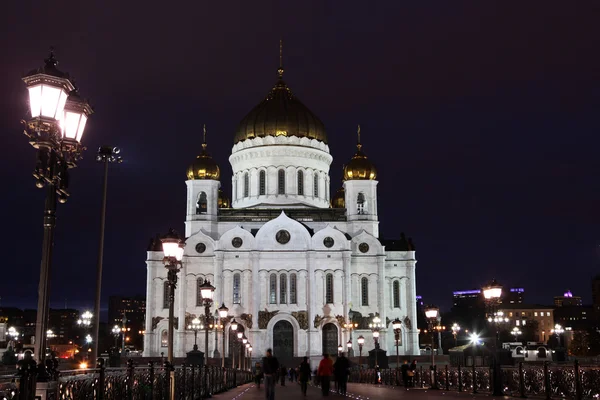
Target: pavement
(291,391)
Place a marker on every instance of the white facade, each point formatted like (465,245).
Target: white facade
(282,254)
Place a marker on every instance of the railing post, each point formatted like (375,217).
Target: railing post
(99,392)
(182,389)
(474,378)
(447,378)
(167,368)
(234,377)
(460,387)
(151,377)
(192,380)
(27,373)
(547,387)
(522,380)
(578,388)
(421,377)
(130,371)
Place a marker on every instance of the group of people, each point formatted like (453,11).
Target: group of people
(408,373)
(271,370)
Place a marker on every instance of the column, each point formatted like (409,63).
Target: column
(254,290)
(311,297)
(347,289)
(218,282)
(150,309)
(180,306)
(381,306)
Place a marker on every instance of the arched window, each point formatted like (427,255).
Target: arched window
(273,289)
(201,203)
(199,283)
(246,185)
(329,289)
(262,183)
(281,181)
(396,293)
(360,203)
(300,182)
(364,291)
(166,294)
(293,290)
(282,289)
(164,338)
(236,289)
(316,185)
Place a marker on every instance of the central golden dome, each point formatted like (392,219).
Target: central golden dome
(280,114)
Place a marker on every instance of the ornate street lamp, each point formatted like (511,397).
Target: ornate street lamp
(116,331)
(455,329)
(243,341)
(397,326)
(206,292)
(492,293)
(375,326)
(340,349)
(349,326)
(55,129)
(195,326)
(172,245)
(349,346)
(106,154)
(432,313)
(558,330)
(223,313)
(233,326)
(516,332)
(246,356)
(85,320)
(361,342)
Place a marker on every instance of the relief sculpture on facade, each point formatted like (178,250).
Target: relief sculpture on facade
(264,317)
(155,321)
(247,318)
(407,323)
(317,320)
(341,320)
(302,318)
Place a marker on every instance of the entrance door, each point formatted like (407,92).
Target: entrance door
(283,342)
(330,339)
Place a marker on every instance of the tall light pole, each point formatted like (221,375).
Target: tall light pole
(85,322)
(558,330)
(217,326)
(361,342)
(116,331)
(375,326)
(397,326)
(223,315)
(248,363)
(106,155)
(455,329)
(195,326)
(233,347)
(172,245)
(432,313)
(492,293)
(244,341)
(349,326)
(57,123)
(516,332)
(240,335)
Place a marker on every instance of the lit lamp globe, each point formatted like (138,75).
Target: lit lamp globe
(195,324)
(376,334)
(360,340)
(396,325)
(75,115)
(207,291)
(349,344)
(172,245)
(431,312)
(244,339)
(240,335)
(223,311)
(248,345)
(340,348)
(492,291)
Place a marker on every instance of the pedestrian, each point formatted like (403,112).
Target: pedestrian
(258,376)
(404,369)
(270,367)
(341,368)
(325,372)
(412,371)
(282,374)
(304,372)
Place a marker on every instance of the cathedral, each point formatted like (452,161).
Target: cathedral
(300,271)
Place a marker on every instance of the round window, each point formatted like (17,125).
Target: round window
(363,247)
(237,242)
(200,248)
(282,236)
(328,242)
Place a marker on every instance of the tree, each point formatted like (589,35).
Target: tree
(530,331)
(580,344)
(9,357)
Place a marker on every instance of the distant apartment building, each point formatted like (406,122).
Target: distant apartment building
(567,300)
(520,315)
(128,313)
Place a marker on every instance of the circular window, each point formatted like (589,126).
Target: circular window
(363,247)
(237,242)
(282,236)
(328,242)
(200,248)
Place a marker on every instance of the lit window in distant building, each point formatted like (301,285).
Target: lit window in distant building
(517,322)
(535,314)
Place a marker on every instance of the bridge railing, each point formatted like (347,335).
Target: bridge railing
(546,380)
(151,382)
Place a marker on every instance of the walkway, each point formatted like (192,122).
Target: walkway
(291,391)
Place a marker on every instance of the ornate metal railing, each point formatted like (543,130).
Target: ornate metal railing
(546,380)
(150,382)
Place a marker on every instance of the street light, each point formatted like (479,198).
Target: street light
(207,292)
(247,360)
(116,331)
(195,326)
(432,313)
(85,320)
(558,330)
(240,335)
(55,129)
(361,342)
(375,326)
(492,293)
(349,346)
(233,326)
(340,349)
(397,327)
(349,326)
(516,332)
(172,245)
(455,329)
(12,333)
(223,316)
(106,154)
(244,341)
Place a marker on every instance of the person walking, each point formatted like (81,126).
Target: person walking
(325,371)
(270,367)
(341,369)
(304,372)
(404,371)
(258,374)
(412,371)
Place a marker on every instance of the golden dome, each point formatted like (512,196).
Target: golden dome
(204,167)
(223,201)
(359,167)
(280,114)
(339,199)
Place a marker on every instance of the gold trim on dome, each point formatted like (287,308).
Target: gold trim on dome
(359,167)
(204,167)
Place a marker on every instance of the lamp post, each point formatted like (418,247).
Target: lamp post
(361,342)
(375,326)
(516,332)
(492,293)
(116,331)
(223,315)
(217,326)
(240,335)
(242,352)
(55,129)
(432,314)
(106,155)
(455,329)
(340,349)
(206,292)
(397,326)
(85,322)
(349,346)
(172,245)
(233,326)
(558,330)
(195,326)
(248,364)
(250,355)
(349,326)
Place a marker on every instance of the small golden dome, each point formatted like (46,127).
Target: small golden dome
(339,199)
(204,167)
(223,201)
(359,167)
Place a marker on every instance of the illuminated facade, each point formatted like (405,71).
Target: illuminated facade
(293,264)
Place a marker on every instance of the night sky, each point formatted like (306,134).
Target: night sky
(482,118)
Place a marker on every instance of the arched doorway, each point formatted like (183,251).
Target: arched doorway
(283,342)
(330,339)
